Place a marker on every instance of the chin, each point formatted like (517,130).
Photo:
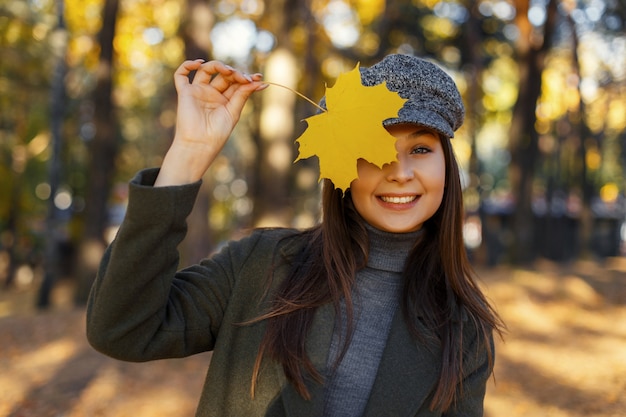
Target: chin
(398,229)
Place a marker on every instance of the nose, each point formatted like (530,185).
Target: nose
(400,171)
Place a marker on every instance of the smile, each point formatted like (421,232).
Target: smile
(398,200)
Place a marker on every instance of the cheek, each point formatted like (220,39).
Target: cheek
(369,175)
(366,170)
(437,181)
(358,199)
(360,191)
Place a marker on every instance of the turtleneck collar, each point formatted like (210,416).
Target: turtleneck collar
(388,251)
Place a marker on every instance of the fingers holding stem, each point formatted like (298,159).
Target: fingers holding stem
(216,74)
(209,105)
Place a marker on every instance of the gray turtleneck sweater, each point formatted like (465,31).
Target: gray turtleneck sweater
(376,297)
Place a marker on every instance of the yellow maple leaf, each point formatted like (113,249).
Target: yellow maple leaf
(351,128)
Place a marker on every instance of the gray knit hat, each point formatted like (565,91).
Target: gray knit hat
(433,98)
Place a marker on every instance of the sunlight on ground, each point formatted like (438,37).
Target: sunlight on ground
(564,354)
(47,369)
(23,371)
(110,395)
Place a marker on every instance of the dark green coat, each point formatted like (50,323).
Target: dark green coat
(142,309)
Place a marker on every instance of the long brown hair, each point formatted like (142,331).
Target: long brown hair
(439,287)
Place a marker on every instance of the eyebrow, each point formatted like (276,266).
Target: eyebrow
(421,132)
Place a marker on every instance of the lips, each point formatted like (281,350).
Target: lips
(398,199)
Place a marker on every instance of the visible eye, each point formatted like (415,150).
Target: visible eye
(420,150)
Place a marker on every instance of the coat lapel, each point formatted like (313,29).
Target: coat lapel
(406,376)
(318,344)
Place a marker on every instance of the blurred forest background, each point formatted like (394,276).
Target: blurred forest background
(87,99)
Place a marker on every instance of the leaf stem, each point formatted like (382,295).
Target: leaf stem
(300,94)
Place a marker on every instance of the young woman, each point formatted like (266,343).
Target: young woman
(374,312)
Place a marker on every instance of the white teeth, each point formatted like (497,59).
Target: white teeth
(398,200)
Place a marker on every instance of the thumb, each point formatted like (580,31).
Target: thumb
(241,95)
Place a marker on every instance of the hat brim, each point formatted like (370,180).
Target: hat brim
(422,117)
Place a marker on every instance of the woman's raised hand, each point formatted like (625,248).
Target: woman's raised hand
(209,107)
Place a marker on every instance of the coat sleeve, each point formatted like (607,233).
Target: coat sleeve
(140,307)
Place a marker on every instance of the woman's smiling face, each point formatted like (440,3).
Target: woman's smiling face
(402,195)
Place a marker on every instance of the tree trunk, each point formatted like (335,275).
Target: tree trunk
(472,45)
(102,152)
(18,162)
(523,141)
(11,229)
(586,216)
(276,149)
(272,185)
(57,104)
